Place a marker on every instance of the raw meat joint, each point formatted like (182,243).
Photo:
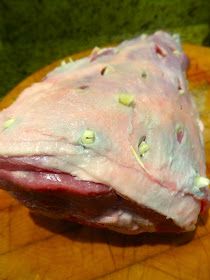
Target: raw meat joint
(112,140)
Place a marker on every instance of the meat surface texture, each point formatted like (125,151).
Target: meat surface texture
(112,140)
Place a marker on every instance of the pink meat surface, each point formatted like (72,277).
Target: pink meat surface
(144,169)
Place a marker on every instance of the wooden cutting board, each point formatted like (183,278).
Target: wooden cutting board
(33,247)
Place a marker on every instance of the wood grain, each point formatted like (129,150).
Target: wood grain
(37,248)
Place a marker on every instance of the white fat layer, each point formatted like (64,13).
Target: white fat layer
(52,115)
(126,219)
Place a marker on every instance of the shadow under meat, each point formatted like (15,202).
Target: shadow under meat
(87,234)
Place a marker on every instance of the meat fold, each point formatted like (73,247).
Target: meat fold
(112,140)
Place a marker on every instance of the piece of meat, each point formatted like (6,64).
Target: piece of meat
(112,140)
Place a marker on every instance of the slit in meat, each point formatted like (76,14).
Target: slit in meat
(83,87)
(159,51)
